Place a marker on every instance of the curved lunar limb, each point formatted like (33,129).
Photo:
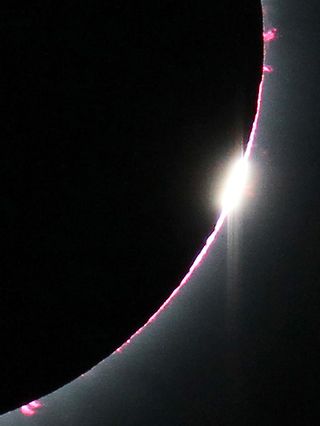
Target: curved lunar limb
(237,345)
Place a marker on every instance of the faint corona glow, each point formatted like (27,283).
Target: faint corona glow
(235,184)
(30,409)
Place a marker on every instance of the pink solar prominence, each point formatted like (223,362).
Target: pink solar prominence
(30,409)
(270,35)
(267,68)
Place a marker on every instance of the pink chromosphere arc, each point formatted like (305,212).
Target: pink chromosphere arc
(267,37)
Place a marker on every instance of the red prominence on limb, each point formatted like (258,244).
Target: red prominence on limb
(30,409)
(267,68)
(270,35)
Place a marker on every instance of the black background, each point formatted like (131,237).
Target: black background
(117,123)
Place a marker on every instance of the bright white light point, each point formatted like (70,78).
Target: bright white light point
(235,184)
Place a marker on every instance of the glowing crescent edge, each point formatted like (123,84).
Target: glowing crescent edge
(212,237)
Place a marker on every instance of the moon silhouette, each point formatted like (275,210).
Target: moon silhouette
(114,123)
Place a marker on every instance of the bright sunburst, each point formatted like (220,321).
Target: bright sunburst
(234,185)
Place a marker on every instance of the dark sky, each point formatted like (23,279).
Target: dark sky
(117,122)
